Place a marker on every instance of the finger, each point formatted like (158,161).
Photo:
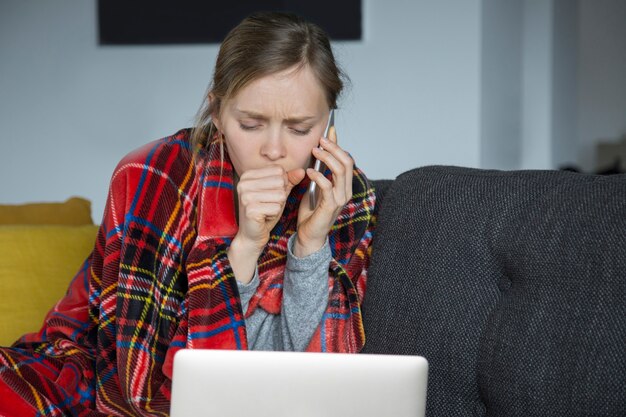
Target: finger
(324,185)
(338,153)
(343,157)
(349,164)
(254,197)
(349,176)
(262,212)
(294,177)
(334,149)
(284,182)
(256,173)
(332,134)
(338,170)
(329,160)
(274,182)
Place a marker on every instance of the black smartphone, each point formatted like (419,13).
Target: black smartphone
(319,165)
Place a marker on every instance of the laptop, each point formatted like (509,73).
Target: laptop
(228,383)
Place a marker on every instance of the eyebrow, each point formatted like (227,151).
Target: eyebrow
(259,116)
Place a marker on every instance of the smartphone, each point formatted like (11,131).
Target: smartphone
(319,165)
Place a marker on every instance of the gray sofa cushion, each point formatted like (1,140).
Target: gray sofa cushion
(511,284)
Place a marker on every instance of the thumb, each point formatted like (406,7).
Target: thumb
(294,177)
(332,134)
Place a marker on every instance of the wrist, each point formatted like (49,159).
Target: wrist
(243,256)
(245,247)
(305,247)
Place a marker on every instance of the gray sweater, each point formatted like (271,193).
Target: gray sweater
(305,296)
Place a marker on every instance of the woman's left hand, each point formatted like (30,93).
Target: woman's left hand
(314,225)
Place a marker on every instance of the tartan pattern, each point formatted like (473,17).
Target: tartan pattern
(159,280)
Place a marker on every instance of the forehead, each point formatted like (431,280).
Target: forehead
(295,90)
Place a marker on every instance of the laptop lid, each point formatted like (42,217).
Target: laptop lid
(211,383)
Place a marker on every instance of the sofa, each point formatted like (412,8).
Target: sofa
(512,285)
(42,246)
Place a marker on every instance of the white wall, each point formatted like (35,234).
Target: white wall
(602,75)
(70,109)
(536,84)
(529,51)
(501,84)
(433,82)
(565,83)
(415,95)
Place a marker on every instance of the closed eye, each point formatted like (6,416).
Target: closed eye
(244,126)
(301,132)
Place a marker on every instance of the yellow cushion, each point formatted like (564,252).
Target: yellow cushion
(75,211)
(37,264)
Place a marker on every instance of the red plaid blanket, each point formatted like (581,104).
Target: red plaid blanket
(158,280)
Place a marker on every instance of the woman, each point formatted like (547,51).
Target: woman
(208,240)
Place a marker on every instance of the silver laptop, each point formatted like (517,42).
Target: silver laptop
(227,383)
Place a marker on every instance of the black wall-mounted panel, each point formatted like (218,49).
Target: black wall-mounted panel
(153,22)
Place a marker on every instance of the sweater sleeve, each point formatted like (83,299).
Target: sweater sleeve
(305,297)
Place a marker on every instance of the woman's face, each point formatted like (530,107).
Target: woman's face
(275,120)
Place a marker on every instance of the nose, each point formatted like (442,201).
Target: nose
(273,147)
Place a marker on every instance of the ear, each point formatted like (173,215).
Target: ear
(215,115)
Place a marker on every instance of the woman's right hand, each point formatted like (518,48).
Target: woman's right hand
(262,194)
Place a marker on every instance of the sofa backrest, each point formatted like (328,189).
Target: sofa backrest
(512,285)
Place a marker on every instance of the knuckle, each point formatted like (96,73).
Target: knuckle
(275,209)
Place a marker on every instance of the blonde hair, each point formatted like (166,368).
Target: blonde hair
(263,44)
